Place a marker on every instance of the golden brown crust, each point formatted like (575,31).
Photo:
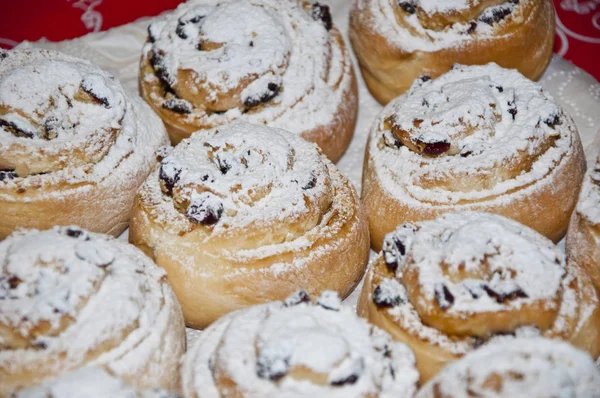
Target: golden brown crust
(547,210)
(389,70)
(583,246)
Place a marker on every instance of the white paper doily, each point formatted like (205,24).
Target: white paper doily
(118,51)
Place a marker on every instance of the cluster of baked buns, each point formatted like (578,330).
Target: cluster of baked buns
(245,227)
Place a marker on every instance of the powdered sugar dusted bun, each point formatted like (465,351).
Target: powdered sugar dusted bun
(583,237)
(74,147)
(298,348)
(275,62)
(479,138)
(246,214)
(447,286)
(397,41)
(90,383)
(70,299)
(528,367)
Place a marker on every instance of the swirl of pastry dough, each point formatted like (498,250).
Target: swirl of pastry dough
(74,147)
(479,138)
(448,285)
(280,63)
(245,208)
(298,348)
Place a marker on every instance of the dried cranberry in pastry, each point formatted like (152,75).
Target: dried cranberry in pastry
(384,298)
(6,175)
(3,54)
(18,131)
(223,164)
(205,209)
(151,34)
(512,109)
(552,120)
(320,12)
(424,78)
(436,148)
(169,176)
(472,27)
(272,368)
(14,282)
(351,379)
(408,6)
(297,298)
(74,232)
(271,92)
(395,245)
(502,297)
(158,63)
(443,296)
(178,105)
(495,14)
(311,183)
(51,126)
(87,85)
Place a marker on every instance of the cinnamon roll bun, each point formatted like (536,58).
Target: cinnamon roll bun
(529,367)
(74,147)
(245,214)
(479,138)
(397,41)
(446,286)
(298,348)
(71,299)
(280,63)
(583,237)
(90,383)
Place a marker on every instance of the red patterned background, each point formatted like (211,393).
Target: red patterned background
(577,36)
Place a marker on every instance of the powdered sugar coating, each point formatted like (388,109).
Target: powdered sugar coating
(69,298)
(85,126)
(301,70)
(414,31)
(506,255)
(255,173)
(265,179)
(565,293)
(491,119)
(90,383)
(299,351)
(527,367)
